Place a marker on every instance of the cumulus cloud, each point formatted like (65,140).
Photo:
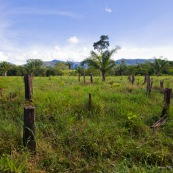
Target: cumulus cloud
(108,10)
(73,40)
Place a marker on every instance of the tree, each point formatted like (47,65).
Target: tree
(32,65)
(101,61)
(159,65)
(102,44)
(69,64)
(79,71)
(4,68)
(61,66)
(122,67)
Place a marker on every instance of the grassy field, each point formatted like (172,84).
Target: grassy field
(113,136)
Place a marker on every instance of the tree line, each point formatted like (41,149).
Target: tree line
(99,62)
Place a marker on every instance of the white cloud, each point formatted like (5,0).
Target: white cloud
(73,40)
(72,53)
(108,10)
(76,53)
(3,57)
(145,52)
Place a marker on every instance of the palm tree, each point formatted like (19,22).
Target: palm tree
(4,67)
(32,65)
(101,61)
(79,70)
(159,65)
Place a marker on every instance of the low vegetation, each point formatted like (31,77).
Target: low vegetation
(112,134)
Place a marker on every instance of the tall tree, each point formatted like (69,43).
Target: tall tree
(4,67)
(101,61)
(159,65)
(102,44)
(32,65)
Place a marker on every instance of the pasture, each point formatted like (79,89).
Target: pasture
(110,134)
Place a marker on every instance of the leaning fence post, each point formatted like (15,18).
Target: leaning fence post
(167,98)
(91,78)
(28,87)
(29,129)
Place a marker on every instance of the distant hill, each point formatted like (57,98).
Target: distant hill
(134,61)
(76,64)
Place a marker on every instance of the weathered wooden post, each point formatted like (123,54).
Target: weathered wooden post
(91,78)
(151,83)
(148,87)
(145,79)
(161,84)
(84,76)
(1,92)
(133,79)
(29,129)
(28,87)
(167,98)
(89,102)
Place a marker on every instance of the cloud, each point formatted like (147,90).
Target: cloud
(68,52)
(73,40)
(145,52)
(3,57)
(108,10)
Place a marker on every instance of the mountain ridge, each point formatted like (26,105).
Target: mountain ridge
(75,64)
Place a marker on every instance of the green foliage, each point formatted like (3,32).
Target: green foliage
(33,65)
(159,65)
(4,67)
(101,61)
(8,164)
(102,44)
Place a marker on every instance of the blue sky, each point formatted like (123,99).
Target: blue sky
(67,29)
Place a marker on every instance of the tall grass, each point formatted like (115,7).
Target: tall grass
(114,135)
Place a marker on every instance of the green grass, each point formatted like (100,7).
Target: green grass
(114,135)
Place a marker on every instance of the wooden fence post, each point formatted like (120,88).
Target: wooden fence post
(161,84)
(145,79)
(91,78)
(148,87)
(133,79)
(90,101)
(29,129)
(167,98)
(1,92)
(28,87)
